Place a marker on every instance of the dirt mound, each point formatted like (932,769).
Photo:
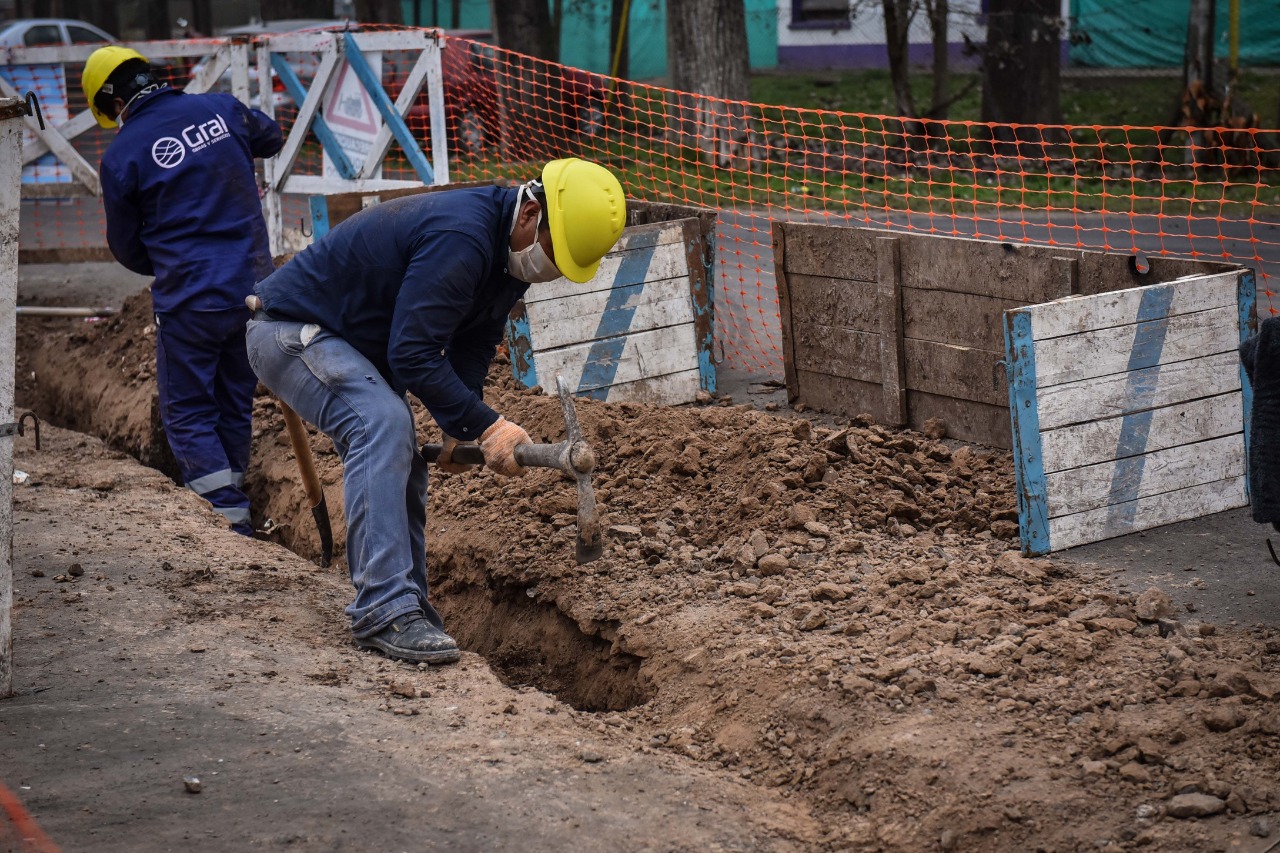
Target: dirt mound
(832,611)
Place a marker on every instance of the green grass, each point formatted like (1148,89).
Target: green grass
(1113,100)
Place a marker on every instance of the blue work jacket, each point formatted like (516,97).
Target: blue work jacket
(182,200)
(419,286)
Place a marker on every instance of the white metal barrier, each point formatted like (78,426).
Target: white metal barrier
(341,59)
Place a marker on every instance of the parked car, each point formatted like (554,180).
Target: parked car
(42,32)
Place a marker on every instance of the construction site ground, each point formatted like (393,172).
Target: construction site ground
(805,634)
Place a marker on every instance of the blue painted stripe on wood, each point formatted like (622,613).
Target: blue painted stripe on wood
(319,126)
(319,217)
(372,85)
(1246,299)
(519,340)
(615,321)
(1028,457)
(1141,384)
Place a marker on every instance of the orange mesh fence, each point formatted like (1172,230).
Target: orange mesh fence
(19,833)
(1210,194)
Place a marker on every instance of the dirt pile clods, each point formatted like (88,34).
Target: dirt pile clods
(835,612)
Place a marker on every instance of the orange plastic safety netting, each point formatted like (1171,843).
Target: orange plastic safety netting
(1211,194)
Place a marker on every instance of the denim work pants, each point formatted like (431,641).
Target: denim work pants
(327,382)
(206,404)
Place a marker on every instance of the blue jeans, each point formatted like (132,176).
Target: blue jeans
(206,404)
(327,382)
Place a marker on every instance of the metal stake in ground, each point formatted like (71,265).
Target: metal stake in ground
(572,456)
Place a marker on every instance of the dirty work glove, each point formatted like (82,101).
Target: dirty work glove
(498,444)
(445,461)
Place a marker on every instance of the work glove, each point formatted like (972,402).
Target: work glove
(445,461)
(498,444)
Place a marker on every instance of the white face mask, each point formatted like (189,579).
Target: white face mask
(531,264)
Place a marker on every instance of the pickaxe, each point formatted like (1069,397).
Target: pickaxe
(573,456)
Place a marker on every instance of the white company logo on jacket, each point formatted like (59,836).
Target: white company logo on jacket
(169,151)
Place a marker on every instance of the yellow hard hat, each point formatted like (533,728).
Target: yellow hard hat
(586,210)
(102,63)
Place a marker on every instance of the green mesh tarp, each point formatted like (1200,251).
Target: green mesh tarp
(1153,33)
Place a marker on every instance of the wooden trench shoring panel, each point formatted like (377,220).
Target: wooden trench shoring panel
(640,330)
(908,327)
(1130,409)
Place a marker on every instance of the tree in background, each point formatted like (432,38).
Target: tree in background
(379,12)
(1021,79)
(525,26)
(707,51)
(279,10)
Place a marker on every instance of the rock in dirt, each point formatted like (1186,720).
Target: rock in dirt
(76,570)
(407,689)
(772,564)
(1194,805)
(1154,605)
(192,784)
(934,428)
(1223,718)
(1260,828)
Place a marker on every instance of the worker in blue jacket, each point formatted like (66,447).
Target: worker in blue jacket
(182,205)
(412,295)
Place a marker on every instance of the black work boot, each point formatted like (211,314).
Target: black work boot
(413,638)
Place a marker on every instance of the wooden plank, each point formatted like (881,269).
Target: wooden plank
(62,149)
(577,319)
(1075,315)
(1119,348)
(829,250)
(344,205)
(837,394)
(967,420)
(838,352)
(1138,390)
(1183,423)
(77,125)
(1080,489)
(630,264)
(786,310)
(1103,272)
(1002,270)
(643,355)
(702,302)
(962,319)
(670,390)
(1145,513)
(836,302)
(68,255)
(10,177)
(893,372)
(1024,416)
(307,111)
(320,185)
(951,371)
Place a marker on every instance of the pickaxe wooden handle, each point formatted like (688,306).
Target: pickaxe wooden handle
(573,456)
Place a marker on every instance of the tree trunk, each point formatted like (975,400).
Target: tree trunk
(1197,65)
(279,10)
(897,29)
(379,12)
(707,47)
(159,25)
(618,26)
(525,26)
(1021,72)
(938,11)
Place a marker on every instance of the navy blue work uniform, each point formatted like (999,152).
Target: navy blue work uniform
(410,295)
(182,205)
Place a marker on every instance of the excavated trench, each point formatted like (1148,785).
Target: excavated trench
(101,382)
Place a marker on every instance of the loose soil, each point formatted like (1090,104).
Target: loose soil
(821,629)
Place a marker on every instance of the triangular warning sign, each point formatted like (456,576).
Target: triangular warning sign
(349,105)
